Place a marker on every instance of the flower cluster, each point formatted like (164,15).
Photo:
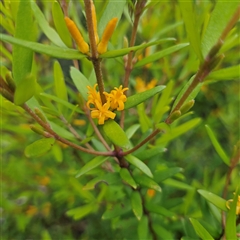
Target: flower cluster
(114,101)
(141,86)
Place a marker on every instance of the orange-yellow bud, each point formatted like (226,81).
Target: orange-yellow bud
(94,19)
(77,36)
(102,46)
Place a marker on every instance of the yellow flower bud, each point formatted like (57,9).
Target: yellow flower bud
(102,46)
(94,19)
(77,36)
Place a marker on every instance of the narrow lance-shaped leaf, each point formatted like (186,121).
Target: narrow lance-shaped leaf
(231,229)
(60,24)
(179,130)
(143,228)
(142,96)
(80,81)
(139,164)
(230,73)
(113,9)
(220,16)
(160,54)
(217,146)
(191,96)
(25,90)
(116,210)
(189,16)
(126,177)
(136,203)
(53,51)
(116,134)
(161,175)
(80,212)
(39,147)
(124,51)
(156,208)
(145,181)
(59,85)
(109,178)
(200,230)
(22,57)
(62,102)
(44,25)
(91,165)
(162,102)
(214,199)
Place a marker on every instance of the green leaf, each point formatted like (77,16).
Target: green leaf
(62,102)
(124,51)
(220,16)
(200,230)
(126,177)
(191,96)
(145,181)
(80,212)
(229,73)
(142,96)
(91,165)
(144,120)
(25,90)
(217,146)
(143,228)
(161,175)
(155,208)
(189,17)
(177,184)
(60,86)
(116,210)
(136,203)
(116,134)
(39,147)
(214,199)
(131,130)
(162,102)
(109,179)
(80,81)
(60,24)
(179,130)
(139,164)
(231,229)
(62,131)
(113,9)
(53,51)
(44,25)
(146,154)
(160,54)
(22,57)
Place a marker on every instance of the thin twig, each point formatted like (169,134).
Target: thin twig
(128,66)
(74,132)
(94,54)
(58,138)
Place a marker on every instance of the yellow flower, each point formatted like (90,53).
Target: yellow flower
(102,112)
(151,193)
(93,96)
(31,210)
(117,98)
(237,207)
(141,86)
